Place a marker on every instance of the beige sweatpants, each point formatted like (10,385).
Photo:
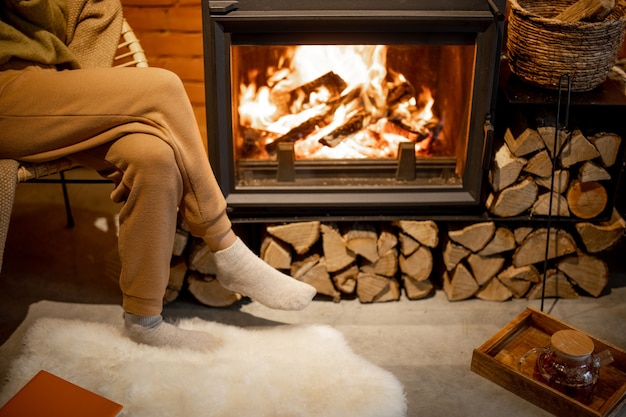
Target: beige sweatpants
(136,127)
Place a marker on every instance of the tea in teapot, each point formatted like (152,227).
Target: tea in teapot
(569,365)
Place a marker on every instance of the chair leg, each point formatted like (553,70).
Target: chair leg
(66,199)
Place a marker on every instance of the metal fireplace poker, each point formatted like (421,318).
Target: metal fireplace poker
(371,108)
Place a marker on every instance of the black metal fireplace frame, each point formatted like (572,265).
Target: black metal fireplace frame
(271,22)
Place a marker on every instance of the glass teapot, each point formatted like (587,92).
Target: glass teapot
(568,364)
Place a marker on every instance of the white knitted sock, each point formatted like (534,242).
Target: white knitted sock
(240,270)
(153,331)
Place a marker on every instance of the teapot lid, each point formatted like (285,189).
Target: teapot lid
(572,343)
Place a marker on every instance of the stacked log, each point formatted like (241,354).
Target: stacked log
(504,261)
(368,261)
(365,260)
(379,261)
(192,269)
(521,177)
(417,240)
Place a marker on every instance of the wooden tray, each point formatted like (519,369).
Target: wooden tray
(497,360)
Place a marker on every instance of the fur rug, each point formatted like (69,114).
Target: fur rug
(296,371)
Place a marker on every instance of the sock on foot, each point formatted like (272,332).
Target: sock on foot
(240,270)
(153,331)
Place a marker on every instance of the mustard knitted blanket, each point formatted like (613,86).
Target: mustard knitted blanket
(64,33)
(8,183)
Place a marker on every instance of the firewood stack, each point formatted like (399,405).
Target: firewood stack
(521,174)
(378,261)
(366,260)
(370,261)
(499,262)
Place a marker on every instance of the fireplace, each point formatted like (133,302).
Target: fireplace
(343,108)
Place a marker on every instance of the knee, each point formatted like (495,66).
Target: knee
(152,162)
(166,81)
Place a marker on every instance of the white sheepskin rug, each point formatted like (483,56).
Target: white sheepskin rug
(295,371)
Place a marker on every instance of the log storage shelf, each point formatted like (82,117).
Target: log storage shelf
(572,171)
(497,360)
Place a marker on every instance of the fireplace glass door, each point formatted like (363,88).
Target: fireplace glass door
(355,119)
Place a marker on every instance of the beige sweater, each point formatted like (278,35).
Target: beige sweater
(64,33)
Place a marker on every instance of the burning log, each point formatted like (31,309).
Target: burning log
(400,93)
(321,118)
(288,99)
(423,131)
(394,127)
(313,119)
(331,81)
(352,125)
(253,140)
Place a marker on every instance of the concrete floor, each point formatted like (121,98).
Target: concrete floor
(427,344)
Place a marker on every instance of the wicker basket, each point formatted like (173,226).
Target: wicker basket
(541,49)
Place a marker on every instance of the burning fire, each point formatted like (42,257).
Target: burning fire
(334,102)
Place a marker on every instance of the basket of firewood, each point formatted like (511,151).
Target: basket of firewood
(547,39)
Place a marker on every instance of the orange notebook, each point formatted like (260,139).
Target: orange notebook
(50,396)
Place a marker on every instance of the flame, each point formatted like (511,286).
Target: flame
(336,101)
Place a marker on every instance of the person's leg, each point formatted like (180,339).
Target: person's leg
(148,183)
(70,111)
